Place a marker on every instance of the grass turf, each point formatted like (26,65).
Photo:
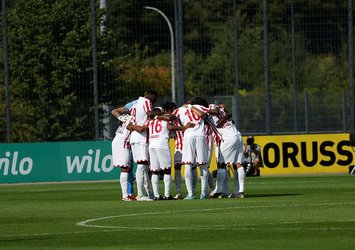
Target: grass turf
(315,212)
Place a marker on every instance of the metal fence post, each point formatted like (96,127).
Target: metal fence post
(94,68)
(6,72)
(235,99)
(266,69)
(344,111)
(293,45)
(179,50)
(351,71)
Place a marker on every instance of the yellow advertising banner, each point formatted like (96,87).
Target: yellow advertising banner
(303,154)
(306,154)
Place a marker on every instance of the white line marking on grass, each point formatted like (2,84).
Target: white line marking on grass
(86,223)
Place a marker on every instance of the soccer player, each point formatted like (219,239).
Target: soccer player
(122,113)
(195,146)
(140,111)
(122,155)
(230,152)
(159,149)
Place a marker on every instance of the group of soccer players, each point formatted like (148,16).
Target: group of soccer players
(143,135)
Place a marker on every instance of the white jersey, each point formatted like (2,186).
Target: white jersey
(122,133)
(140,117)
(158,134)
(186,115)
(179,135)
(228,131)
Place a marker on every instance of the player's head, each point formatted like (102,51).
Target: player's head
(151,95)
(158,109)
(250,140)
(169,107)
(200,101)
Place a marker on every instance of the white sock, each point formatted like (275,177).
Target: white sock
(221,175)
(241,178)
(188,179)
(140,179)
(124,184)
(177,179)
(204,179)
(194,180)
(147,187)
(167,184)
(155,184)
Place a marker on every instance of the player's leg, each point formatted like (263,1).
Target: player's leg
(194,179)
(130,184)
(140,156)
(177,174)
(155,170)
(122,158)
(188,158)
(240,168)
(201,160)
(188,181)
(220,178)
(210,176)
(165,163)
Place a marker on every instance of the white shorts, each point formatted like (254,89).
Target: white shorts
(159,159)
(195,150)
(178,157)
(230,151)
(140,152)
(121,156)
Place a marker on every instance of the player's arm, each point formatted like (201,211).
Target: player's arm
(119,111)
(166,117)
(214,111)
(123,110)
(173,127)
(224,119)
(199,113)
(132,127)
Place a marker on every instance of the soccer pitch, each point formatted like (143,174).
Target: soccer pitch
(307,212)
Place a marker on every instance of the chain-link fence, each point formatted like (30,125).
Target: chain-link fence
(279,66)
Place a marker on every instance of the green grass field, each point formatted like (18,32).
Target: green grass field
(315,212)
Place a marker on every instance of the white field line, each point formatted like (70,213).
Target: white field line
(244,227)
(86,222)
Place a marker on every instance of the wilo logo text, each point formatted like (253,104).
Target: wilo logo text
(15,166)
(90,162)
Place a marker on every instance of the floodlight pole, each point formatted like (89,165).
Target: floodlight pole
(173,95)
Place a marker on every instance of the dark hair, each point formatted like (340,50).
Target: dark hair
(151,95)
(169,106)
(200,101)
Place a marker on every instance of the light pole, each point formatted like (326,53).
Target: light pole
(173,95)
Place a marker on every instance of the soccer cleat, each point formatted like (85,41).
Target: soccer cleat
(203,196)
(168,198)
(222,195)
(214,195)
(232,195)
(178,196)
(143,198)
(159,198)
(240,195)
(128,198)
(189,197)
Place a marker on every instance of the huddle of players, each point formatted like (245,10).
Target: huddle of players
(144,135)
